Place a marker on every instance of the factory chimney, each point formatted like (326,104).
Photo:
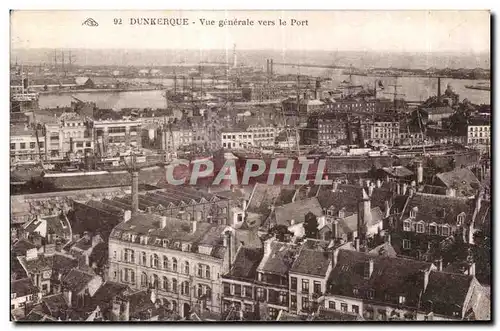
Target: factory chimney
(135,192)
(272,67)
(439,89)
(235,60)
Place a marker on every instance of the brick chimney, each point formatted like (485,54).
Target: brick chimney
(163,222)
(194,225)
(135,192)
(335,255)
(420,173)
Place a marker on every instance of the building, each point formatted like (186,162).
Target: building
(25,146)
(383,288)
(22,294)
(479,133)
(182,260)
(237,138)
(113,133)
(264,135)
(385,132)
(84,83)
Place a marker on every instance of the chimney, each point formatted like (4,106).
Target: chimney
(356,244)
(439,89)
(426,278)
(135,192)
(370,189)
(420,173)
(127,214)
(387,208)
(245,205)
(387,238)
(194,226)
(405,188)
(163,222)
(440,264)
(368,268)
(364,215)
(335,185)
(413,183)
(472,269)
(31,254)
(267,67)
(305,95)
(379,183)
(335,229)
(271,64)
(267,246)
(335,255)
(68,295)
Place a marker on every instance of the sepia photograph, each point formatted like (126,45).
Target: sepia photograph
(300,166)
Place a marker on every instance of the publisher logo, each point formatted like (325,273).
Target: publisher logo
(90,22)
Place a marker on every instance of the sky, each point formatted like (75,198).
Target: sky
(395,31)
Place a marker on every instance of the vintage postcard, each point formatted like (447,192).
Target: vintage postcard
(273,165)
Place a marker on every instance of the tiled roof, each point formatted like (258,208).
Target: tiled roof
(279,259)
(390,276)
(263,196)
(313,262)
(447,292)
(76,280)
(139,302)
(246,262)
(56,303)
(176,230)
(430,208)
(297,211)
(398,171)
(57,225)
(349,224)
(462,180)
(23,287)
(21,246)
(107,291)
(384,249)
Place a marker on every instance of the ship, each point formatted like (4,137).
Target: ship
(480,86)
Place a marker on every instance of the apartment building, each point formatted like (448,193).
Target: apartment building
(182,260)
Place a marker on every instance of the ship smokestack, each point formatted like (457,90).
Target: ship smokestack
(135,192)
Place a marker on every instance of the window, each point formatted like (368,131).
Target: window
(154,281)
(305,286)
(174,264)
(293,301)
(370,294)
(331,305)
(165,262)
(420,227)
(343,307)
(174,285)
(247,291)
(261,295)
(22,145)
(32,145)
(12,146)
(144,280)
(413,213)
(144,258)
(186,268)
(317,287)
(406,226)
(185,288)
(355,309)
(406,244)
(293,283)
(305,302)
(154,261)
(402,300)
(355,291)
(445,230)
(460,219)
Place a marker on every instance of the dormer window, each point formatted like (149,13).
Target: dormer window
(370,294)
(341,213)
(420,227)
(445,230)
(133,238)
(460,219)
(164,242)
(402,299)
(407,225)
(413,212)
